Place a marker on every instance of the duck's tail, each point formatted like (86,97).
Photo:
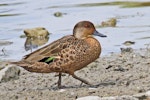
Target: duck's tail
(39,67)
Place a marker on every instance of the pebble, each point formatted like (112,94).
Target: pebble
(8,73)
(61,90)
(109,23)
(124,97)
(148,93)
(89,98)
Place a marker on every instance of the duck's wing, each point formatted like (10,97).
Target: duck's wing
(50,50)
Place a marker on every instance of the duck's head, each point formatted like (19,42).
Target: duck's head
(85,29)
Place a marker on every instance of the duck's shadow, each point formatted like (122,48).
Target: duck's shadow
(83,86)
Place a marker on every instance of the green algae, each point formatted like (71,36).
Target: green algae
(143,38)
(5,15)
(123,4)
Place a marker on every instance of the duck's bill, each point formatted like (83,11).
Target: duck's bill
(96,33)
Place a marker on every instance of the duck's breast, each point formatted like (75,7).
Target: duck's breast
(79,54)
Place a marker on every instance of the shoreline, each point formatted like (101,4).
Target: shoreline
(117,74)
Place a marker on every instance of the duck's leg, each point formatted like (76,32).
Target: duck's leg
(59,80)
(80,79)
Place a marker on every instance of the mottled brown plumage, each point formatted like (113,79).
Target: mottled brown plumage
(70,53)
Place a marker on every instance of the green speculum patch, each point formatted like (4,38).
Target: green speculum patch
(47,60)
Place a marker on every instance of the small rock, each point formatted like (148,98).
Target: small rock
(128,43)
(72,93)
(148,93)
(110,23)
(124,97)
(38,32)
(91,88)
(62,90)
(119,68)
(124,50)
(8,73)
(143,96)
(89,98)
(59,14)
(108,98)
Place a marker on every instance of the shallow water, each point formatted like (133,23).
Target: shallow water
(15,16)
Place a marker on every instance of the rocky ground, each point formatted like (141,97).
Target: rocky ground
(118,76)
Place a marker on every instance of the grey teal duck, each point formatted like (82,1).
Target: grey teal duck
(67,54)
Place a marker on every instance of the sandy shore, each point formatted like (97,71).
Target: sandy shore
(125,73)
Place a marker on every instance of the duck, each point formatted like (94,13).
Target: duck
(67,54)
